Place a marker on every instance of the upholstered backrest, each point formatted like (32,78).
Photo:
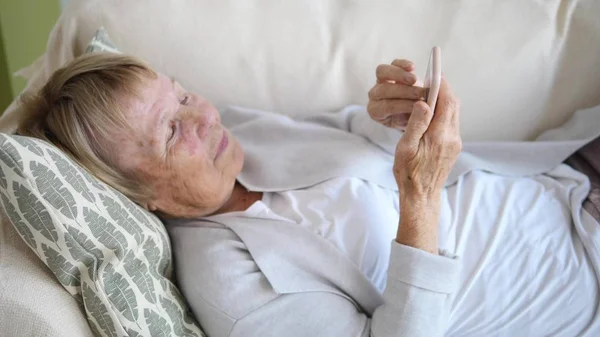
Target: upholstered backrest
(519,66)
(32,301)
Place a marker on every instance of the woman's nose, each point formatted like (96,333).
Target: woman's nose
(201,121)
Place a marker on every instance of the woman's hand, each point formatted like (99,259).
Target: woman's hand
(424,157)
(430,145)
(391,100)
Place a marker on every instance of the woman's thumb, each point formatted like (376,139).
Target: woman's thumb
(417,123)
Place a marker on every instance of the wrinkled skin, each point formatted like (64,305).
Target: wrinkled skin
(176,147)
(426,152)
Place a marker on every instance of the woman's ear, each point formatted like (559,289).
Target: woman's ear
(149,206)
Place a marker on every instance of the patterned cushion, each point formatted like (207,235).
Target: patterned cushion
(101,43)
(113,256)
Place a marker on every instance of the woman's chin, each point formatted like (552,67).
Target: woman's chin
(238,157)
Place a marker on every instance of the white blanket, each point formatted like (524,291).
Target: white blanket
(525,270)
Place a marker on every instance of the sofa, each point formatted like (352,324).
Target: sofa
(519,67)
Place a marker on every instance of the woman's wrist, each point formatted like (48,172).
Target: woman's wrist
(424,203)
(418,226)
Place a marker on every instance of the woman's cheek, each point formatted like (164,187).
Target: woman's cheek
(192,147)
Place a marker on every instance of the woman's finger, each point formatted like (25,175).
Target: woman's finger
(384,109)
(397,121)
(394,91)
(404,64)
(446,107)
(388,72)
(417,124)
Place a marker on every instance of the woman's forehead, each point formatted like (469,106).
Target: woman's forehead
(152,95)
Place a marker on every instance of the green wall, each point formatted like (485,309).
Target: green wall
(5,87)
(24,29)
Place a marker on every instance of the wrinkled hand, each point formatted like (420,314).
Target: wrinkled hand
(428,149)
(391,100)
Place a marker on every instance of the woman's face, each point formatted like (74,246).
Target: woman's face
(179,148)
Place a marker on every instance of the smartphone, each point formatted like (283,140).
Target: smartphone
(433,77)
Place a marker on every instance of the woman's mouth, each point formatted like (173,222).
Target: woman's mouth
(223,144)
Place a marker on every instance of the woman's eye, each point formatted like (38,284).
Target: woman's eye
(185,100)
(173,130)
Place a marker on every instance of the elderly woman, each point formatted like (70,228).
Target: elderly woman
(286,227)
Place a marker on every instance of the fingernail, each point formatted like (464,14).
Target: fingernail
(409,79)
(425,93)
(419,107)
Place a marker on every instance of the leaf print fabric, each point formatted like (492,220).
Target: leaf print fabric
(11,157)
(82,256)
(121,215)
(158,325)
(99,317)
(20,225)
(31,146)
(120,294)
(139,273)
(106,233)
(53,189)
(63,269)
(110,254)
(34,212)
(76,180)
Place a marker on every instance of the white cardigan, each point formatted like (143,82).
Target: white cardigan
(253,276)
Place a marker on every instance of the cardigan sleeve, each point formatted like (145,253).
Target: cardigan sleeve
(416,304)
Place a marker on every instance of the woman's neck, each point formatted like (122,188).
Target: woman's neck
(241,199)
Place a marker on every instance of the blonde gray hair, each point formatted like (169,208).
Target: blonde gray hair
(79,108)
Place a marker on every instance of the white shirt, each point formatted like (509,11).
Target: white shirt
(357,217)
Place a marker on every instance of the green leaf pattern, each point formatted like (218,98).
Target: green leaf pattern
(173,311)
(94,328)
(31,145)
(93,181)
(188,318)
(110,254)
(3,183)
(152,253)
(159,327)
(66,273)
(84,241)
(34,212)
(79,298)
(98,311)
(120,215)
(73,176)
(132,333)
(140,275)
(82,256)
(54,190)
(143,216)
(20,225)
(10,156)
(120,293)
(87,177)
(106,233)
